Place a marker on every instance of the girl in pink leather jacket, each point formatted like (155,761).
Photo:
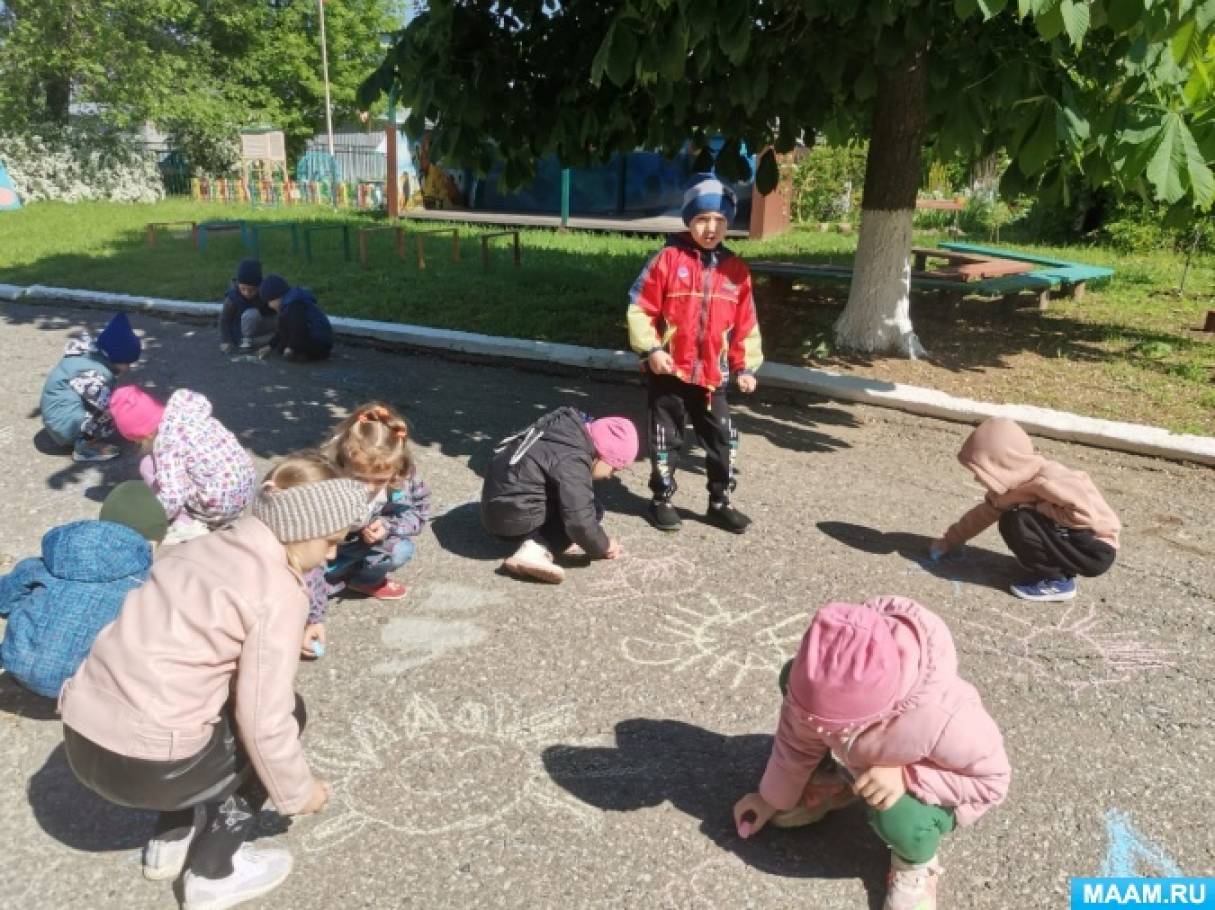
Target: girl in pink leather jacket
(874,708)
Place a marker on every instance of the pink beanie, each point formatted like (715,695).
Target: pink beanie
(136,413)
(847,670)
(615,440)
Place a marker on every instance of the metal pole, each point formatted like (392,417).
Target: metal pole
(393,182)
(320,5)
(565,198)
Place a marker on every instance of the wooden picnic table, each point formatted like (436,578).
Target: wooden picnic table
(965,266)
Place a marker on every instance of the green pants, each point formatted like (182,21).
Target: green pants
(910,828)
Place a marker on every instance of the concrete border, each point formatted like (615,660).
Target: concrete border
(1125,437)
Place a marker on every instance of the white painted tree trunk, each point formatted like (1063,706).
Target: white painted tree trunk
(877,319)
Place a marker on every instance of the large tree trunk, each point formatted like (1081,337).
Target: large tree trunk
(877,319)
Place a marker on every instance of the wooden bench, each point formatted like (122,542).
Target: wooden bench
(486,238)
(208,227)
(965,266)
(314,228)
(399,241)
(455,243)
(154,226)
(1071,276)
(255,234)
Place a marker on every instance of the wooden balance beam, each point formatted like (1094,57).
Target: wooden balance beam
(486,238)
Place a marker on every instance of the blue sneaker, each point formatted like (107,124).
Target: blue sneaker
(1048,590)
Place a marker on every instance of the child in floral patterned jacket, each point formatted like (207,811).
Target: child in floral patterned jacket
(199,471)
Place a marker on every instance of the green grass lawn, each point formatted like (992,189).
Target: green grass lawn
(1127,350)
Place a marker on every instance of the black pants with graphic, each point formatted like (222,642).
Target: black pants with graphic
(672,402)
(219,778)
(1050,550)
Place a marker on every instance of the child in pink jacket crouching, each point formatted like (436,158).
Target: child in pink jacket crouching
(874,707)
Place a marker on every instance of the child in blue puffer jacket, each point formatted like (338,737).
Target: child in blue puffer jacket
(57,604)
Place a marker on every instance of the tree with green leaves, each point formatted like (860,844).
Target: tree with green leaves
(199,69)
(1116,90)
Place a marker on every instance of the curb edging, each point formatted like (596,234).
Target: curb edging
(1139,439)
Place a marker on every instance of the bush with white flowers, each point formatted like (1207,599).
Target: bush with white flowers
(75,164)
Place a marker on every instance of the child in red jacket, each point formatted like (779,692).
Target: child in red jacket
(691,314)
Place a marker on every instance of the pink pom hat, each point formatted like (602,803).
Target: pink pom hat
(136,413)
(615,440)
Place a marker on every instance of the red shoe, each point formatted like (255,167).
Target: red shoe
(385,590)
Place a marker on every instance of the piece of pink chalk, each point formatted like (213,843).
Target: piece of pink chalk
(744,829)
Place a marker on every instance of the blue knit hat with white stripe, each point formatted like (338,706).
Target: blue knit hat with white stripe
(705,193)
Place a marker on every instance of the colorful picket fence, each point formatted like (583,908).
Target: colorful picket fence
(362,195)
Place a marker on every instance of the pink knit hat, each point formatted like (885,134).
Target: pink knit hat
(615,440)
(136,413)
(847,670)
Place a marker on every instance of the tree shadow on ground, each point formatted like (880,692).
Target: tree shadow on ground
(703,774)
(17,700)
(968,565)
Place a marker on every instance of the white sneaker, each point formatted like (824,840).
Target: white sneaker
(254,873)
(912,886)
(165,855)
(533,561)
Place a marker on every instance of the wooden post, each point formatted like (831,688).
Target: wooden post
(363,248)
(1210,323)
(518,251)
(485,252)
(151,235)
(400,237)
(421,254)
(455,245)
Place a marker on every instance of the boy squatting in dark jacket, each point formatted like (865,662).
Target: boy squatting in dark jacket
(58,603)
(245,321)
(539,489)
(304,332)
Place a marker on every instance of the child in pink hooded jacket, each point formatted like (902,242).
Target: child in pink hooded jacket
(198,469)
(1053,518)
(874,707)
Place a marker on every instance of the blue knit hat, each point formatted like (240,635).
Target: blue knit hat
(273,287)
(118,342)
(249,272)
(705,193)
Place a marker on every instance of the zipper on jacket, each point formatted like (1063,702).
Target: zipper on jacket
(702,329)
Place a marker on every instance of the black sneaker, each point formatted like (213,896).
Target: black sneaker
(725,516)
(665,516)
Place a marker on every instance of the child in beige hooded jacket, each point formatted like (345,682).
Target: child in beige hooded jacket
(1053,518)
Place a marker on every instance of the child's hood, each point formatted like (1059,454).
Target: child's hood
(1001,455)
(82,345)
(95,551)
(927,655)
(185,408)
(564,427)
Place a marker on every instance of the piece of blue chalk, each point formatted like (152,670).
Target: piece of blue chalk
(318,649)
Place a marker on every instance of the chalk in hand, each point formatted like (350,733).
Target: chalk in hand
(746,826)
(318,649)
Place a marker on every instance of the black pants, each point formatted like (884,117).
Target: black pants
(1050,550)
(549,533)
(218,777)
(672,403)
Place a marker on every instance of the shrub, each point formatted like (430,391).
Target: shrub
(827,183)
(79,163)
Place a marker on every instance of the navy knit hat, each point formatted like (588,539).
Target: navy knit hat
(705,193)
(249,272)
(273,288)
(118,342)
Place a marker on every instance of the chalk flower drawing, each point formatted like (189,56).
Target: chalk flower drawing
(1077,651)
(633,577)
(716,641)
(428,773)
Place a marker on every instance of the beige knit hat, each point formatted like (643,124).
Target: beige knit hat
(311,510)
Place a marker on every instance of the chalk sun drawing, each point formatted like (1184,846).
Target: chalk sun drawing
(718,642)
(429,773)
(632,577)
(1076,651)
